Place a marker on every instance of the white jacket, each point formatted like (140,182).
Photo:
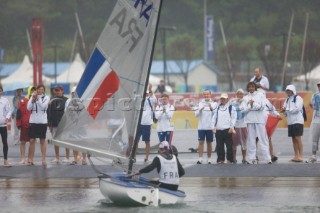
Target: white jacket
(254,113)
(205,115)
(269,109)
(222,119)
(147,115)
(5,111)
(164,118)
(293,111)
(38,110)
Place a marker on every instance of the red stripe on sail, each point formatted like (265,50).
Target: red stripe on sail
(105,91)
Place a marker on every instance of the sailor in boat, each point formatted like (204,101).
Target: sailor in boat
(168,166)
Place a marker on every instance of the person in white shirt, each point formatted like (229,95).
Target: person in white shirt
(292,108)
(204,111)
(38,105)
(147,120)
(253,105)
(240,137)
(164,113)
(315,124)
(260,80)
(223,122)
(5,115)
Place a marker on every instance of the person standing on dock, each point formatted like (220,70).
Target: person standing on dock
(315,124)
(204,112)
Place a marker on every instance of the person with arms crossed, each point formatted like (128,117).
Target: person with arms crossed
(55,112)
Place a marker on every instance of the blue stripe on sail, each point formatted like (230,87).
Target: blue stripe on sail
(94,64)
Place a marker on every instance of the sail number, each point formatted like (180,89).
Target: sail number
(132,29)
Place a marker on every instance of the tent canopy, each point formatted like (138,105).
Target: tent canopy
(24,73)
(74,72)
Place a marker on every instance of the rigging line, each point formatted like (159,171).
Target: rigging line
(127,79)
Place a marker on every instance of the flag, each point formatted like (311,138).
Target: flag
(98,83)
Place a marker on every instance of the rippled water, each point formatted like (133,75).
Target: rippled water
(203,195)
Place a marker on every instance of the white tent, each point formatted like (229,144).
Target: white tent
(74,72)
(313,74)
(313,78)
(24,74)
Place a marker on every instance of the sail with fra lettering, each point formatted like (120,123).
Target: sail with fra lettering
(102,117)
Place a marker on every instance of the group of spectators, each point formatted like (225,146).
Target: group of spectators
(240,121)
(32,115)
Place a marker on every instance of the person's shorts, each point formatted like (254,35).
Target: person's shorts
(24,134)
(240,138)
(205,134)
(295,130)
(37,130)
(145,132)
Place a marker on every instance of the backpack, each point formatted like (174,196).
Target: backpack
(304,113)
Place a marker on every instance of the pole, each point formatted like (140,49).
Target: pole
(302,51)
(55,55)
(82,39)
(231,76)
(164,54)
(205,57)
(286,53)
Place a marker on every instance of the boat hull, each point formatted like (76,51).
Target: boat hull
(137,192)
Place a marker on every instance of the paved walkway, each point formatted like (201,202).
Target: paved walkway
(183,140)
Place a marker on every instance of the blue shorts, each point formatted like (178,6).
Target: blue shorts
(205,134)
(164,136)
(145,132)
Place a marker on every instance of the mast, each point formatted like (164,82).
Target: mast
(136,139)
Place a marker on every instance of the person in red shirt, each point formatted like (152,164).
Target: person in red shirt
(22,122)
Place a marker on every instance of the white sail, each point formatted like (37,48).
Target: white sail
(103,118)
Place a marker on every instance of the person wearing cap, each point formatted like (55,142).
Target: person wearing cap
(168,167)
(315,124)
(164,113)
(55,112)
(15,101)
(241,132)
(253,105)
(22,122)
(5,115)
(260,80)
(223,122)
(293,110)
(204,111)
(147,120)
(38,105)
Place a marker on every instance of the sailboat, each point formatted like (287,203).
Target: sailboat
(103,116)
